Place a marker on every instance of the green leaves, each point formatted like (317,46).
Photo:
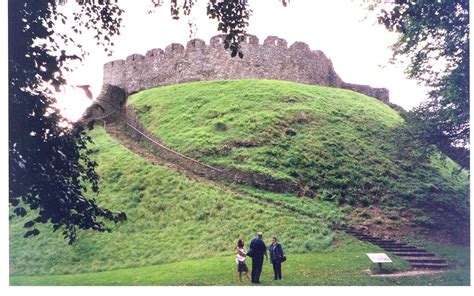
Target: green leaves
(49,165)
(435,41)
(232,17)
(29,224)
(20,212)
(33,232)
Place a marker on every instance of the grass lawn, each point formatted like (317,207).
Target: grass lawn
(344,264)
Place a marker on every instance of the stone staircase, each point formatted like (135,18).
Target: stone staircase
(418,258)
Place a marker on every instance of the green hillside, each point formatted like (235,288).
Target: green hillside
(338,144)
(170,218)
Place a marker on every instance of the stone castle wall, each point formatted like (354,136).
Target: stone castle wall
(198,62)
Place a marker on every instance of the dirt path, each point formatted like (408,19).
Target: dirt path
(415,272)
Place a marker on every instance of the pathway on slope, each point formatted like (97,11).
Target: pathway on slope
(117,131)
(133,127)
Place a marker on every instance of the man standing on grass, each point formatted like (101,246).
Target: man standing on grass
(257,245)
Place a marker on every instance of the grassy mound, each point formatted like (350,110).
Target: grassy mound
(170,218)
(336,143)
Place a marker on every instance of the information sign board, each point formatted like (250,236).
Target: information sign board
(379,258)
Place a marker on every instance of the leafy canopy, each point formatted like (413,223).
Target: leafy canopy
(434,37)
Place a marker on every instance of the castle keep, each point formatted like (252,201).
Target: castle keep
(197,62)
(200,62)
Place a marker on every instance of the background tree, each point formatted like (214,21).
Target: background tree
(434,37)
(49,164)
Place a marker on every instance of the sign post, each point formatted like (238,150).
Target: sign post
(379,258)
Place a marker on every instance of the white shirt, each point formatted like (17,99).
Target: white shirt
(239,257)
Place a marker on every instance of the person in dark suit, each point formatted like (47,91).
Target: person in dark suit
(276,257)
(257,245)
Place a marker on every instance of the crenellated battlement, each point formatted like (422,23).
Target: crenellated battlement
(198,61)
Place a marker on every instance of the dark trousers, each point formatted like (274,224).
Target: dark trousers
(257,263)
(277,270)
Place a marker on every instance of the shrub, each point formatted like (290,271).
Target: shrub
(290,132)
(311,245)
(393,216)
(202,215)
(220,126)
(364,200)
(378,220)
(423,221)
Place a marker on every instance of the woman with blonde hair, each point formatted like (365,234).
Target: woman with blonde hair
(240,260)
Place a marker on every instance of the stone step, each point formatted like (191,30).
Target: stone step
(390,245)
(361,237)
(379,241)
(355,233)
(404,250)
(385,242)
(413,254)
(408,248)
(429,265)
(401,246)
(425,260)
(370,239)
(353,229)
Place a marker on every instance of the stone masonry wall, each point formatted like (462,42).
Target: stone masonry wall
(199,62)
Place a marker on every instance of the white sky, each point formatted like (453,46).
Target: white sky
(359,50)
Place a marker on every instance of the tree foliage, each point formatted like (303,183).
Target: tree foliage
(50,169)
(49,165)
(434,37)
